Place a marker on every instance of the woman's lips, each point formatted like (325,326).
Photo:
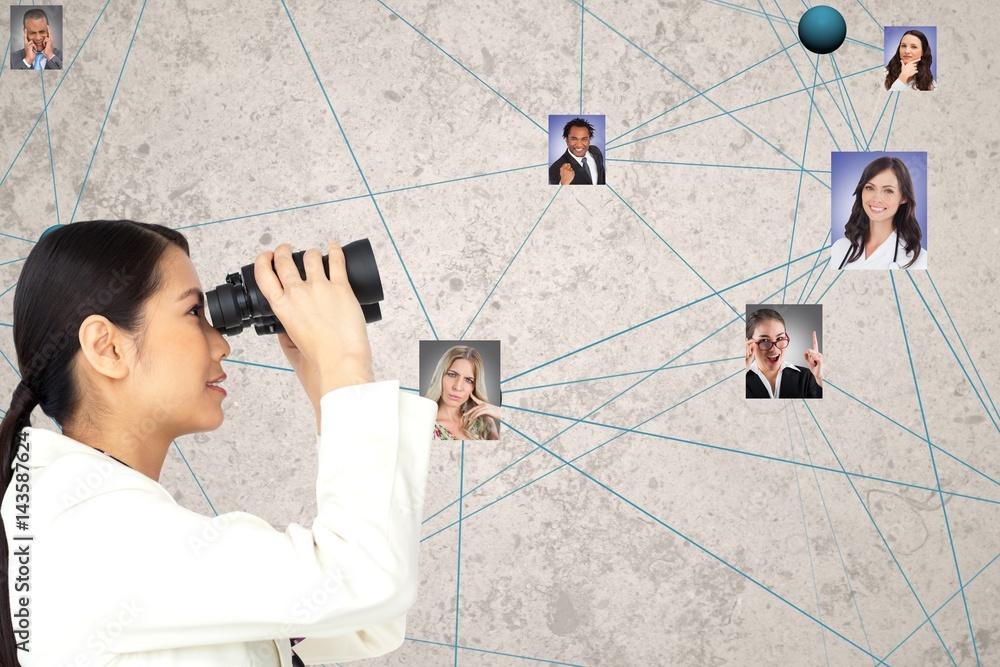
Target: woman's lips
(876,209)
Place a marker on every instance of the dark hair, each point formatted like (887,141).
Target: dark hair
(924,78)
(904,222)
(34,14)
(578,122)
(758,316)
(106,267)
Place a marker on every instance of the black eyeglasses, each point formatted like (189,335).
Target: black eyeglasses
(766,345)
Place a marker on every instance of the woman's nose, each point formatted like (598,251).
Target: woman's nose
(221,344)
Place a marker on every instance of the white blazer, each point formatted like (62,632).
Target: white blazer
(880,259)
(121,575)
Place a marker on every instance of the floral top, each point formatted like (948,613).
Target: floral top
(441,433)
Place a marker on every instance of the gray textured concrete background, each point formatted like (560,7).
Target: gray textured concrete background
(720,531)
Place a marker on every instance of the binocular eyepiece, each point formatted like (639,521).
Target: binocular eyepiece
(239,303)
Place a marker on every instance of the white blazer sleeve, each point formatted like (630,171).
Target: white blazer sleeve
(385,637)
(195,580)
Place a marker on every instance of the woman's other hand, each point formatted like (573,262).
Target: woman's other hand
(750,346)
(908,71)
(305,370)
(482,408)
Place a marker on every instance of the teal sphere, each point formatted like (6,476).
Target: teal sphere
(822,29)
(50,229)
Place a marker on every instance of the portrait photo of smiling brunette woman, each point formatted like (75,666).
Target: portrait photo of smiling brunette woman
(879,211)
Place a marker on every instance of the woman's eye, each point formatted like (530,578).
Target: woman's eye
(195,310)
(469,380)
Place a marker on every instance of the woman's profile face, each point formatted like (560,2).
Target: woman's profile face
(458,382)
(880,196)
(180,354)
(910,49)
(772,330)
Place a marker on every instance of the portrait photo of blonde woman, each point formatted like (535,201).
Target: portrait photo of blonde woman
(461,379)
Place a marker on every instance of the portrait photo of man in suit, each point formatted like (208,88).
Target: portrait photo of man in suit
(582,163)
(39,40)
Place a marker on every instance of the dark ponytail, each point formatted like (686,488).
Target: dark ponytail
(106,267)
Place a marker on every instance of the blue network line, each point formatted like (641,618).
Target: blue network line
(694,97)
(458,570)
(878,530)
(689,349)
(841,85)
(808,542)
(937,479)
(953,352)
(196,480)
(474,75)
(52,97)
(913,433)
(692,87)
(488,652)
(815,67)
(506,268)
(721,166)
(798,192)
(695,544)
(614,375)
(715,292)
(731,450)
(48,136)
(583,14)
(107,112)
(361,172)
(962,342)
(833,532)
(891,119)
(807,278)
(748,106)
(754,12)
(354,197)
(657,317)
(938,610)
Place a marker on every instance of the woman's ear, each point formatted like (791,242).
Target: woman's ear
(103,346)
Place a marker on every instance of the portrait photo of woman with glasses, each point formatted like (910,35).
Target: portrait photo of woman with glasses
(769,374)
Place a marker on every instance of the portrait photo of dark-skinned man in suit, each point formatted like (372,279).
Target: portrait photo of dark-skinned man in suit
(582,163)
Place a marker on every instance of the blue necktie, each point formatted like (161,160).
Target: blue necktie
(585,169)
(39,59)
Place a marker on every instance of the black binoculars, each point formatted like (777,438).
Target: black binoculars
(239,303)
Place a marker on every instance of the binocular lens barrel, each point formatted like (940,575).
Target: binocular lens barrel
(239,303)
